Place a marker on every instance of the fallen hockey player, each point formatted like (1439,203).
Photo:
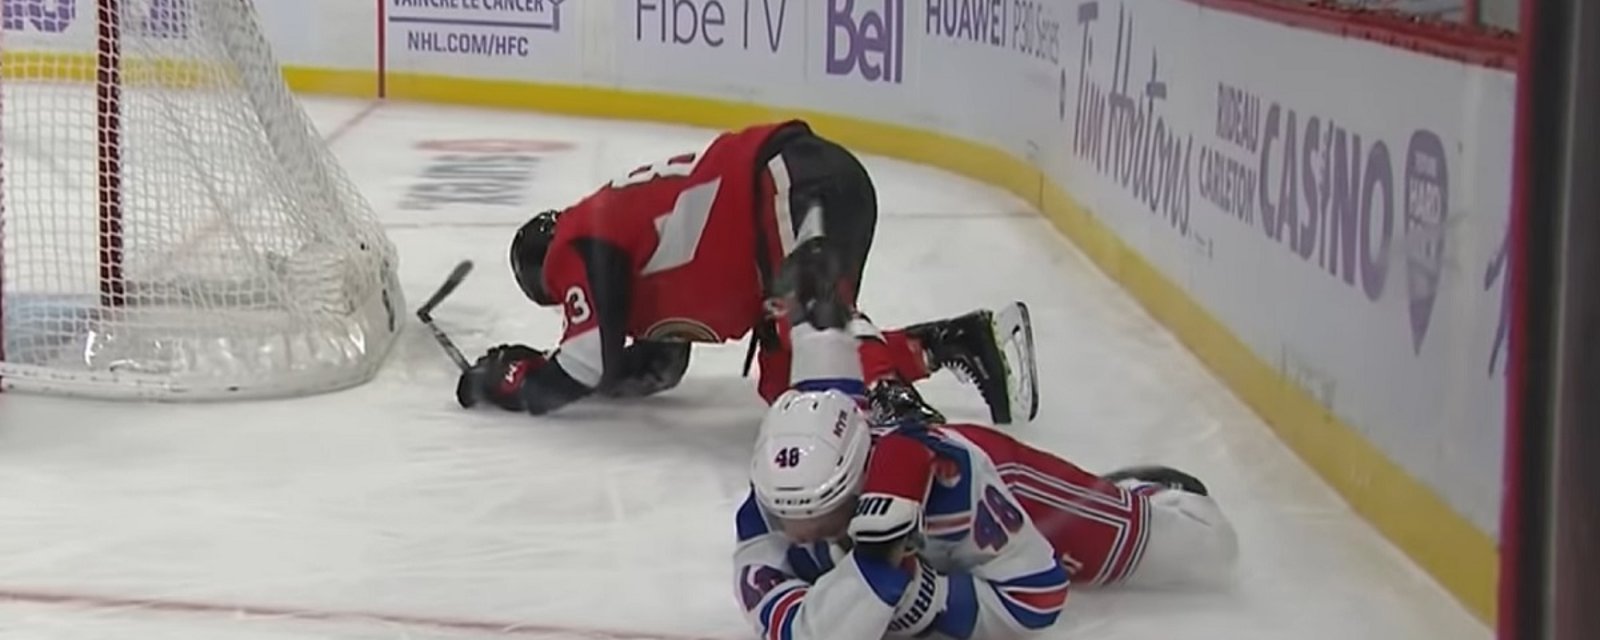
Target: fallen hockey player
(858,531)
(684,250)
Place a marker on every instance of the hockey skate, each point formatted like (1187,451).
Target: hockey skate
(1158,475)
(896,403)
(992,350)
(807,288)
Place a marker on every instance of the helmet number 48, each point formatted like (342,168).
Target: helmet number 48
(787,457)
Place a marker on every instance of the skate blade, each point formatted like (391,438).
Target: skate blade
(1013,329)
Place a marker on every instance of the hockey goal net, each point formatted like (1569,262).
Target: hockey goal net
(171,224)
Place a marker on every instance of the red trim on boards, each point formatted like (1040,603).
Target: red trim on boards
(1510,615)
(1481,46)
(383,48)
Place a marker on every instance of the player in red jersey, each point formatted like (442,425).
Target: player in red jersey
(684,250)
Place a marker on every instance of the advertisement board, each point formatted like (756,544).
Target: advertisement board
(1348,227)
(69,25)
(529,40)
(725,48)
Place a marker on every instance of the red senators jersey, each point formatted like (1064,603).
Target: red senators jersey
(668,251)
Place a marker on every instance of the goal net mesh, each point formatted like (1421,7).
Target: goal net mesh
(171,224)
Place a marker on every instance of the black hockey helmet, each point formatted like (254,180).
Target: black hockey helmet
(528,250)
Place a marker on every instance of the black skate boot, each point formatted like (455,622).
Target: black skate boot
(808,288)
(895,403)
(972,347)
(1165,476)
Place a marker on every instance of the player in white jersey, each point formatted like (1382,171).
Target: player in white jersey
(943,531)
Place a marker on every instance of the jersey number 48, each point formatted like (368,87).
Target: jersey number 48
(995,520)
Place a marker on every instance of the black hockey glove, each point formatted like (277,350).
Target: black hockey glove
(497,376)
(649,367)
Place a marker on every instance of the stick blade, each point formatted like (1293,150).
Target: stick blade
(457,275)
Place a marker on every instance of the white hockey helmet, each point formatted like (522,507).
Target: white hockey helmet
(811,454)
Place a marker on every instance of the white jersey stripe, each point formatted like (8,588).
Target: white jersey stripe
(1119,524)
(1124,501)
(780,203)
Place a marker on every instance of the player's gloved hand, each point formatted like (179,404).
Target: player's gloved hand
(649,367)
(497,376)
(885,527)
(922,602)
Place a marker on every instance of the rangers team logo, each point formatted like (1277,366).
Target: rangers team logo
(681,329)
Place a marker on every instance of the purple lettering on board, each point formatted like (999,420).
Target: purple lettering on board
(1327,197)
(479,28)
(1026,27)
(1124,134)
(1426,208)
(1499,272)
(48,16)
(774,27)
(710,23)
(167,19)
(1377,192)
(871,44)
(1330,196)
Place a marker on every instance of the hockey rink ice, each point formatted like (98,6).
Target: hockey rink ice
(388,512)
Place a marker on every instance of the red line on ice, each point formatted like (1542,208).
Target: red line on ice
(196,607)
(349,125)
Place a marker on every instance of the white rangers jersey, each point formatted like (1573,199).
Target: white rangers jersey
(982,570)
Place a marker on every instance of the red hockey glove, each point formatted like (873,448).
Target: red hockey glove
(497,376)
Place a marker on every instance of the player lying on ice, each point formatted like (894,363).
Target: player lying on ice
(858,531)
(683,251)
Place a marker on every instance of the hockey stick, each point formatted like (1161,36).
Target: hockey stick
(425,312)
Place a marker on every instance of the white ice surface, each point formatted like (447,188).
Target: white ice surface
(388,512)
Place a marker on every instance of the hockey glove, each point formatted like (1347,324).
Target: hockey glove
(922,603)
(885,527)
(649,367)
(497,376)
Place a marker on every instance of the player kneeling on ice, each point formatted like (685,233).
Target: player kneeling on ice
(939,530)
(684,250)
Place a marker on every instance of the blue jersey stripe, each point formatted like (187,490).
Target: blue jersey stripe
(770,608)
(750,522)
(786,625)
(848,386)
(1055,576)
(959,619)
(887,582)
